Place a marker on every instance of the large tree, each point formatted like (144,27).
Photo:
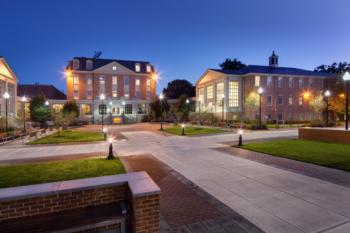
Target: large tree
(179,87)
(230,64)
(39,112)
(71,107)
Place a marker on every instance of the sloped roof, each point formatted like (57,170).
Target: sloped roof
(98,62)
(255,69)
(31,90)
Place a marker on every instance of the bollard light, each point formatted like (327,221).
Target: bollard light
(104,130)
(183,129)
(240,139)
(110,150)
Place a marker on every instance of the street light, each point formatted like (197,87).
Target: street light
(6,97)
(123,103)
(240,139)
(161,97)
(346,78)
(102,98)
(104,130)
(183,129)
(110,151)
(327,94)
(24,100)
(47,103)
(260,92)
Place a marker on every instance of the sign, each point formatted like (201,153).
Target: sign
(117,120)
(102,109)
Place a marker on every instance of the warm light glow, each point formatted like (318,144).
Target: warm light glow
(102,97)
(187,101)
(260,90)
(306,95)
(161,96)
(105,130)
(47,103)
(346,76)
(6,95)
(110,140)
(240,131)
(155,76)
(24,99)
(68,73)
(342,95)
(183,125)
(327,93)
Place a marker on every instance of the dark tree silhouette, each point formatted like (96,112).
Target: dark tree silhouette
(230,64)
(335,68)
(179,87)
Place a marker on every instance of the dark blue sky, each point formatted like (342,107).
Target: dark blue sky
(181,38)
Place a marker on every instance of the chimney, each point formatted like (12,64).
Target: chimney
(273,60)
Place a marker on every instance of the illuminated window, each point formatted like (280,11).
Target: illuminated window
(219,95)
(137,67)
(114,68)
(88,64)
(148,87)
(89,87)
(57,107)
(149,68)
(290,100)
(300,100)
(102,84)
(233,94)
(86,109)
(137,87)
(128,109)
(114,86)
(76,87)
(269,100)
(210,92)
(126,87)
(141,109)
(269,81)
(279,82)
(210,98)
(200,97)
(257,81)
(290,82)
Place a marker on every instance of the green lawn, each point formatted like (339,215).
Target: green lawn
(322,153)
(69,136)
(35,173)
(192,130)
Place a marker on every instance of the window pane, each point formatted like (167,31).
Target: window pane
(233,94)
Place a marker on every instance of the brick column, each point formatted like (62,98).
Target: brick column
(146,214)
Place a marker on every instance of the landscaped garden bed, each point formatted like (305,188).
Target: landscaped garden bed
(332,155)
(192,130)
(69,136)
(36,173)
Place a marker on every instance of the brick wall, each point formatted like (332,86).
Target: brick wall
(146,214)
(325,135)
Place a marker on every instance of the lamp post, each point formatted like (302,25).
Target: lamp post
(222,108)
(240,139)
(24,100)
(327,94)
(110,112)
(102,98)
(6,97)
(346,78)
(110,150)
(123,104)
(260,92)
(183,129)
(104,130)
(161,97)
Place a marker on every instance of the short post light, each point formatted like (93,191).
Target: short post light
(260,92)
(47,103)
(110,149)
(240,137)
(6,97)
(104,130)
(102,98)
(327,94)
(161,98)
(183,129)
(24,100)
(346,78)
(123,104)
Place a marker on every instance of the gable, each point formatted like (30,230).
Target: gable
(209,76)
(120,69)
(5,70)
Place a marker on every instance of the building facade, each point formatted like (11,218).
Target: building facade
(285,96)
(125,88)
(8,84)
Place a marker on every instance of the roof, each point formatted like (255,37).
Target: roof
(31,90)
(99,62)
(273,70)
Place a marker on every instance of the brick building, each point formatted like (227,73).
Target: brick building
(128,87)
(285,96)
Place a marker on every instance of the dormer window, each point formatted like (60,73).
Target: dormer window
(88,64)
(75,64)
(137,67)
(149,68)
(114,68)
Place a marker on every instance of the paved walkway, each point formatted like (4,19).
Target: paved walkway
(274,199)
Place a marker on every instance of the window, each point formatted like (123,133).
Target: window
(200,98)
(290,100)
(114,86)
(115,110)
(269,100)
(300,101)
(102,84)
(219,95)
(126,87)
(114,68)
(86,109)
(257,81)
(290,82)
(210,92)
(88,64)
(269,81)
(301,116)
(137,67)
(75,87)
(141,109)
(57,107)
(210,98)
(301,82)
(89,87)
(279,82)
(280,100)
(233,94)
(128,109)
(148,87)
(75,64)
(137,87)
(149,68)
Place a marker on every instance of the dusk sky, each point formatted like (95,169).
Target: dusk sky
(181,38)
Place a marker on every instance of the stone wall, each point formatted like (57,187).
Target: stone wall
(325,135)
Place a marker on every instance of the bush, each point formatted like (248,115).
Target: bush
(147,118)
(205,118)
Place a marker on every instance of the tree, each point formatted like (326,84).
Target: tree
(62,120)
(39,112)
(317,104)
(251,104)
(159,109)
(71,107)
(230,64)
(335,68)
(182,108)
(179,87)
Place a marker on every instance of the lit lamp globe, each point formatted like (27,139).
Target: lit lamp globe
(161,96)
(346,76)
(187,101)
(327,93)
(6,95)
(24,99)
(47,103)
(102,97)
(260,90)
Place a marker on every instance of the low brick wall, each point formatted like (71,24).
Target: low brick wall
(138,189)
(325,135)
